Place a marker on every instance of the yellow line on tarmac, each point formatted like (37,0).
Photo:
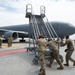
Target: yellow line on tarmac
(13,45)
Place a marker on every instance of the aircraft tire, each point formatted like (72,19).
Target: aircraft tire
(22,41)
(4,41)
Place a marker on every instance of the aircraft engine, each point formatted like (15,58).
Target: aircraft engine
(10,33)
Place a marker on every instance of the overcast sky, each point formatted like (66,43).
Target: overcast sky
(12,12)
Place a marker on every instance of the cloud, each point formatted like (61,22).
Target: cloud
(7,6)
(13,11)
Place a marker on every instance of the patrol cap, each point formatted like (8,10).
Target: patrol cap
(41,36)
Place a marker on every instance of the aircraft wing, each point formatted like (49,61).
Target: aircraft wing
(3,30)
(15,34)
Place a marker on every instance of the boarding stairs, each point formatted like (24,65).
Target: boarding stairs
(40,24)
(39,27)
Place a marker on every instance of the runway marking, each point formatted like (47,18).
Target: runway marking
(6,53)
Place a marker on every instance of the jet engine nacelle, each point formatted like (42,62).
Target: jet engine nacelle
(14,35)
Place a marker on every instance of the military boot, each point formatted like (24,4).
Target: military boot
(60,68)
(66,64)
(74,64)
(42,72)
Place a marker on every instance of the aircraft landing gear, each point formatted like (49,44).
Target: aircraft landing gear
(4,41)
(22,40)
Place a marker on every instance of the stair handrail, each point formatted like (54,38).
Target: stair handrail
(36,25)
(47,28)
(50,25)
(32,23)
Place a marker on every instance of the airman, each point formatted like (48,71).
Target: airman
(55,53)
(0,42)
(9,41)
(42,46)
(69,51)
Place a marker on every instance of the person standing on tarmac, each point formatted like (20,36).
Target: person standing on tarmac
(69,51)
(0,42)
(42,47)
(55,53)
(9,41)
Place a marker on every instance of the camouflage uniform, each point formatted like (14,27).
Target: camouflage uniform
(42,45)
(55,53)
(9,41)
(0,42)
(69,51)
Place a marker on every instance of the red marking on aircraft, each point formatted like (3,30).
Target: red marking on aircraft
(6,53)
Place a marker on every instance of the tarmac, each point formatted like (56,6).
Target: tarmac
(16,60)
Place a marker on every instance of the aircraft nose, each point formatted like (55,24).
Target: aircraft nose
(72,29)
